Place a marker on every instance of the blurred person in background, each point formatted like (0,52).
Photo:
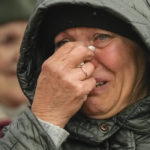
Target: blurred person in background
(13,19)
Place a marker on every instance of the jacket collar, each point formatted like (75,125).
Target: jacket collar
(135,117)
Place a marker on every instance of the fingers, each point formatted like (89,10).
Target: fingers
(79,54)
(88,85)
(73,53)
(84,88)
(78,73)
(65,61)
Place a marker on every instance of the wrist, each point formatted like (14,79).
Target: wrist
(50,117)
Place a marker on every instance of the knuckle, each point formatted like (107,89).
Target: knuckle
(66,80)
(68,45)
(59,73)
(82,49)
(52,68)
(79,89)
(45,66)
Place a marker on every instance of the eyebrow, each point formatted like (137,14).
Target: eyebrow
(62,33)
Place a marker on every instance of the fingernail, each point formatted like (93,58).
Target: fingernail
(92,48)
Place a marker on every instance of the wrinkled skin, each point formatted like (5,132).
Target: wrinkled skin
(10,40)
(62,88)
(68,82)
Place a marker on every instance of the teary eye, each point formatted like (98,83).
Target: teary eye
(101,36)
(60,43)
(101,40)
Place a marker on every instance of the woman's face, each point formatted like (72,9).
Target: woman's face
(118,62)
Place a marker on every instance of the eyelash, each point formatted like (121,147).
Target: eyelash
(101,35)
(62,42)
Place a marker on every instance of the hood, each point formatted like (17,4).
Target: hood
(35,48)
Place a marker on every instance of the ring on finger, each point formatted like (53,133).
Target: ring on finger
(84,71)
(81,64)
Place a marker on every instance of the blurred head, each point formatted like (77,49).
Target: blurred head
(10,40)
(13,20)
